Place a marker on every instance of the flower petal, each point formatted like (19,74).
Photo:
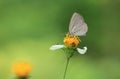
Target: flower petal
(82,51)
(55,47)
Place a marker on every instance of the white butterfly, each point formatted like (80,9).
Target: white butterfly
(77,25)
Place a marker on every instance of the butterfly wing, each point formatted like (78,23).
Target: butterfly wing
(77,25)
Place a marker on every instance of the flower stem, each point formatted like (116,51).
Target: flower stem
(66,67)
(23,78)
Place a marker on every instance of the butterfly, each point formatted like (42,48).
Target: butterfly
(77,26)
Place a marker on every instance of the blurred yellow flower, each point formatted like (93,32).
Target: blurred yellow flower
(71,40)
(22,69)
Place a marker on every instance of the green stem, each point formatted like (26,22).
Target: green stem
(23,78)
(66,67)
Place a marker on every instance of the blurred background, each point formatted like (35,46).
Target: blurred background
(29,27)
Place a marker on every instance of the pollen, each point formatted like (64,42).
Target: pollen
(22,69)
(71,40)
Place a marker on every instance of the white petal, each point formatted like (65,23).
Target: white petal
(82,51)
(55,47)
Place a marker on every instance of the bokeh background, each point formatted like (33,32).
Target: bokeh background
(29,27)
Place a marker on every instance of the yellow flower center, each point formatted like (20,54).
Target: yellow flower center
(71,40)
(22,69)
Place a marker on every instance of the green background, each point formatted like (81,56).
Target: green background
(29,27)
